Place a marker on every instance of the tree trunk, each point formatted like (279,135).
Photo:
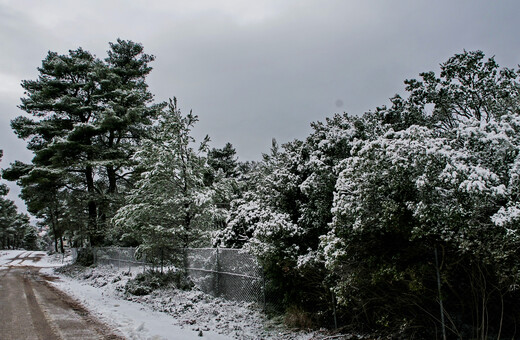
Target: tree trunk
(55,242)
(92,208)
(61,245)
(111,172)
(54,227)
(112,179)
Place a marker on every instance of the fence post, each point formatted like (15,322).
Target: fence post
(217,269)
(129,250)
(143,258)
(162,259)
(263,290)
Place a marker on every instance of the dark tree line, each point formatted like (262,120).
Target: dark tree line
(15,230)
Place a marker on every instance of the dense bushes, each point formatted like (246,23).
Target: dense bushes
(359,208)
(146,282)
(85,257)
(450,185)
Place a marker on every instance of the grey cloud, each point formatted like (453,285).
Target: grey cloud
(252,80)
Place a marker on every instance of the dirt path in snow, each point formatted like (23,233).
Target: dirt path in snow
(30,308)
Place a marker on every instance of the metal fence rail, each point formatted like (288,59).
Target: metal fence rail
(228,273)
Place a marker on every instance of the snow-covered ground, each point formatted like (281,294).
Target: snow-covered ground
(133,320)
(164,314)
(12,258)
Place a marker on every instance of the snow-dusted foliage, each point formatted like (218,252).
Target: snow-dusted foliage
(295,184)
(443,180)
(170,206)
(286,206)
(319,156)
(258,219)
(448,185)
(258,227)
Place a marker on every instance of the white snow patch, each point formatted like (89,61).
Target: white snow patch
(133,320)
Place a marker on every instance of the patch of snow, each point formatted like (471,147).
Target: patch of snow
(170,313)
(40,259)
(132,319)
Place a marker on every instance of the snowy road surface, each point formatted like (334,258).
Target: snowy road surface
(32,309)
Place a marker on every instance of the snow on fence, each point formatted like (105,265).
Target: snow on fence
(222,272)
(228,273)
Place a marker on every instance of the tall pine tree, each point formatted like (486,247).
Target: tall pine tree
(88,117)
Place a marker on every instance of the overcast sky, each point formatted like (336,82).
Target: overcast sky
(256,70)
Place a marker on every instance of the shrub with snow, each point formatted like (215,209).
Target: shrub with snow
(148,281)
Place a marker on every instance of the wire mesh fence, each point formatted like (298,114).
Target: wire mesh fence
(228,273)
(74,254)
(119,257)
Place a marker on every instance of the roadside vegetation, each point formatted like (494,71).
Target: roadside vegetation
(402,221)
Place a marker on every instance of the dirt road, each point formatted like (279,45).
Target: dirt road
(30,308)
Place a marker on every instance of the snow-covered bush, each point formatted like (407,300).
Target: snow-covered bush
(146,282)
(446,184)
(361,206)
(287,206)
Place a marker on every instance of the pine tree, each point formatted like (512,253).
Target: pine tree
(89,117)
(170,207)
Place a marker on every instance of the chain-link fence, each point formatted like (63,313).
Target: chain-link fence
(118,257)
(228,273)
(74,254)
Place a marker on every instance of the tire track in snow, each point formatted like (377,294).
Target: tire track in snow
(32,309)
(40,322)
